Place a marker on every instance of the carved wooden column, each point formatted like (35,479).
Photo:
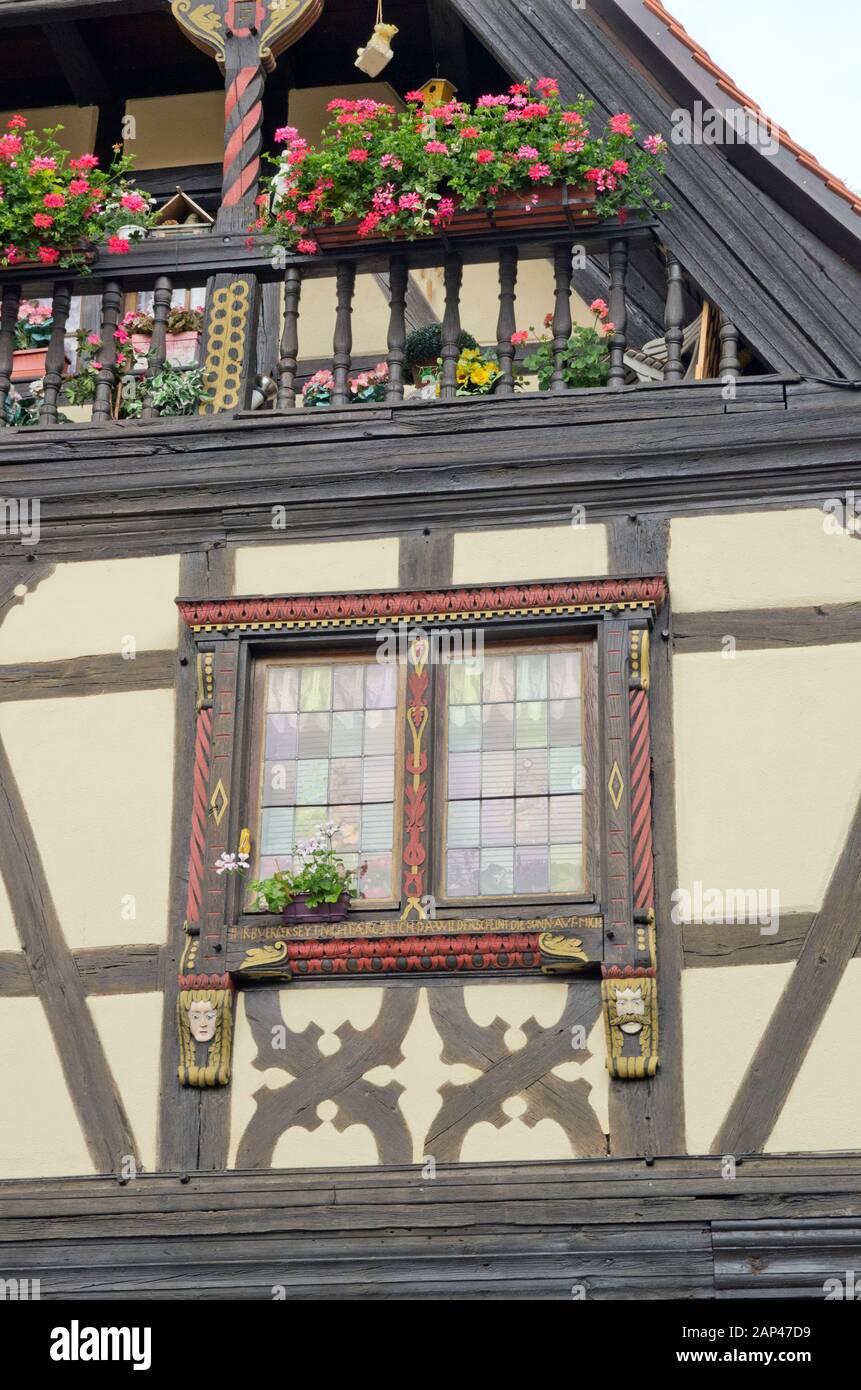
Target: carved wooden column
(245,38)
(561,313)
(674,320)
(399,274)
(451,326)
(507,322)
(55,359)
(618,313)
(289,358)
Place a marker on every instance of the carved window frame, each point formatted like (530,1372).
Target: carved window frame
(612,935)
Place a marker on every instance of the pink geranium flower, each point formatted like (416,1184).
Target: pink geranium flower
(485,156)
(599,306)
(86,161)
(357,155)
(48,255)
(619,166)
(307,247)
(78,187)
(538,172)
(519,338)
(133,202)
(622,124)
(410,202)
(286,133)
(54,200)
(41,163)
(42,220)
(436,147)
(16,123)
(10,145)
(118,246)
(655,144)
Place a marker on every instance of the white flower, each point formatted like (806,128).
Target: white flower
(231,864)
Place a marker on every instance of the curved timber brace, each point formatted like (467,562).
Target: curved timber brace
(629,984)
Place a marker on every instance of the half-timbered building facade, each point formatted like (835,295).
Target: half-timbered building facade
(575,672)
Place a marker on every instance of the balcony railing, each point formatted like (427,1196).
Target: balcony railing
(165,264)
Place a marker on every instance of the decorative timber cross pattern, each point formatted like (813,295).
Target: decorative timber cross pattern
(245,38)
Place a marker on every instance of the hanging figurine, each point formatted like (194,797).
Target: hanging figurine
(377,53)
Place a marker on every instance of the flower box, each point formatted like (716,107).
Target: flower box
(547,208)
(298,911)
(180,348)
(29,363)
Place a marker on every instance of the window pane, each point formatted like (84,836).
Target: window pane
(282,735)
(330,742)
(464,728)
(465,683)
(283,689)
(315,688)
(522,807)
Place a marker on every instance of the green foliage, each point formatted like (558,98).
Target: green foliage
(585,361)
(33,329)
(424,345)
(320,876)
(173,390)
(54,207)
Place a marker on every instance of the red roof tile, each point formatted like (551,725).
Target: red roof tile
(726,85)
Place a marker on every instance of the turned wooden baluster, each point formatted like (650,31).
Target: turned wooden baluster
(55,358)
(561,313)
(674,320)
(158,345)
(343,345)
(112,300)
(507,322)
(399,274)
(618,314)
(8,322)
(451,326)
(288,361)
(729,363)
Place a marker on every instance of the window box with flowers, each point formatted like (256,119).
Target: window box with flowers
(519,159)
(55,209)
(32,336)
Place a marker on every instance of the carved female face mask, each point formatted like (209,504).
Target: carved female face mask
(202,1018)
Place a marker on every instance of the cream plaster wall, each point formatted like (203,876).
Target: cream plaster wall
(96,777)
(781,559)
(823,1109)
(178,130)
(129,1027)
(545,552)
(323,567)
(40,1136)
(725,1012)
(766,782)
(89,607)
(79,124)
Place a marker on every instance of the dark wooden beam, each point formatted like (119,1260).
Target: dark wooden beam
(87,675)
(103,970)
(109,130)
(56,981)
(830,944)
(448,43)
(767,629)
(14,13)
(710,944)
(87,82)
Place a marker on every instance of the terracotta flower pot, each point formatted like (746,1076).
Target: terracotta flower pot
(299,911)
(180,348)
(547,207)
(29,363)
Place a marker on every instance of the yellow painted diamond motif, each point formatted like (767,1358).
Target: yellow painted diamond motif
(615,786)
(218,802)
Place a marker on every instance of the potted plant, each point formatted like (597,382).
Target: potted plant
(173,390)
(477,373)
(32,337)
(366,387)
(424,349)
(317,889)
(521,158)
(184,327)
(54,209)
(586,358)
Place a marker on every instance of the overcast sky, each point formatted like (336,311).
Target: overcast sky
(800,61)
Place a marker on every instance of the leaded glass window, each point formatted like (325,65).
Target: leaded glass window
(514,795)
(330,738)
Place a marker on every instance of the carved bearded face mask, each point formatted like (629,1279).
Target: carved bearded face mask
(202,1017)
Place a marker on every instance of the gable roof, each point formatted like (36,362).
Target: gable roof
(770,241)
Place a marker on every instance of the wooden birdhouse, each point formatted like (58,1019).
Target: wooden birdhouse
(181,214)
(438,90)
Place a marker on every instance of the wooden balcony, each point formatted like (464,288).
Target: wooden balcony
(266,347)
